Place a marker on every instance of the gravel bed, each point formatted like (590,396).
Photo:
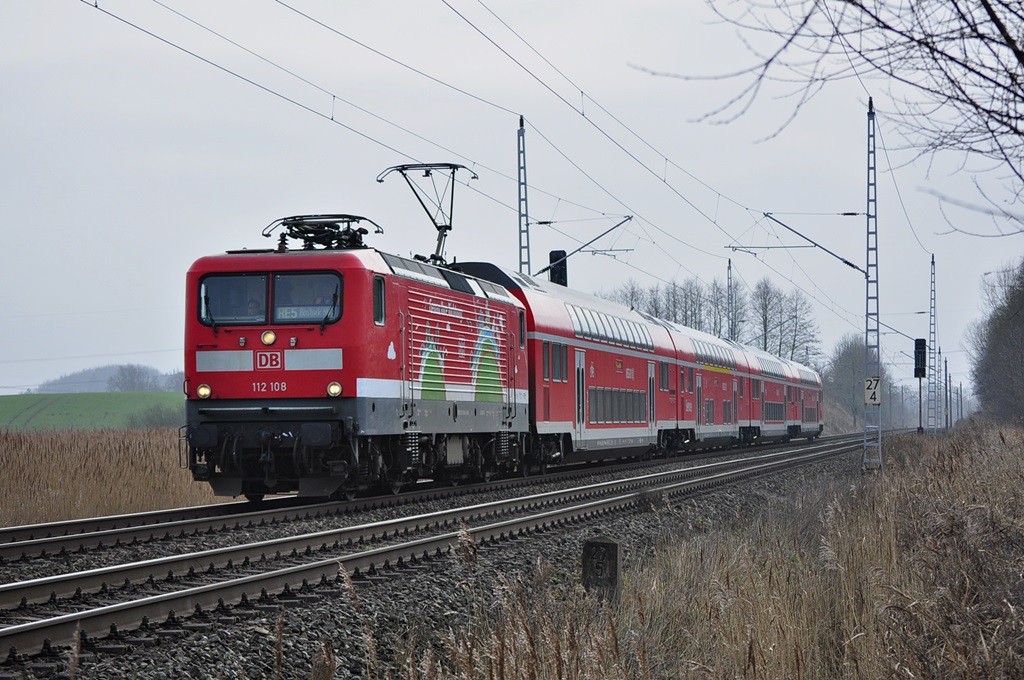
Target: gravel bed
(392,611)
(41,567)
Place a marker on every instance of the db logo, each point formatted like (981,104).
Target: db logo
(269,361)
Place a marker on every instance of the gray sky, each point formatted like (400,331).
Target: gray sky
(125,158)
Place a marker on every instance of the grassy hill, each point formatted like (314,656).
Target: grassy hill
(91,410)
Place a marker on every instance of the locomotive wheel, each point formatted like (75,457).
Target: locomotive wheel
(254,497)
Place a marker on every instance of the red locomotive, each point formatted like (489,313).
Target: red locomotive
(333,368)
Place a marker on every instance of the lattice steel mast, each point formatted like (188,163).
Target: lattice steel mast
(731,306)
(933,366)
(872,349)
(524,213)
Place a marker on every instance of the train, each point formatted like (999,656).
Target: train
(324,367)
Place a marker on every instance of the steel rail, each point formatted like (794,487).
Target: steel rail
(42,540)
(31,637)
(63,585)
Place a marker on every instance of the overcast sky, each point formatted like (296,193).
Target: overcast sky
(130,151)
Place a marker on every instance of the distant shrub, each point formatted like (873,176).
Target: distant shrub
(157,415)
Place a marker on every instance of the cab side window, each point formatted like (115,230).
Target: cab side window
(379,309)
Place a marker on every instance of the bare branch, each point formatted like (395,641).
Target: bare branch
(953,69)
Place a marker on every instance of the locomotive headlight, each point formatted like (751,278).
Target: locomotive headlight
(268,337)
(204,391)
(334,389)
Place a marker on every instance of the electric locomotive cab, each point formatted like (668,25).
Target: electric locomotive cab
(268,336)
(333,368)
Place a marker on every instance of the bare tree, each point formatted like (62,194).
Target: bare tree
(740,309)
(996,345)
(673,305)
(134,378)
(800,339)
(717,308)
(843,376)
(693,304)
(954,68)
(172,382)
(629,294)
(766,310)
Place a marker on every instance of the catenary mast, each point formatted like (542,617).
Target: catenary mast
(872,349)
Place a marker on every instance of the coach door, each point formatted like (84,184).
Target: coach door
(700,402)
(581,397)
(652,421)
(735,402)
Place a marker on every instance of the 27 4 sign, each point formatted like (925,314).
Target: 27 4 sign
(873,391)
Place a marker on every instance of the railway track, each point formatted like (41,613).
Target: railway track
(233,581)
(74,536)
(59,539)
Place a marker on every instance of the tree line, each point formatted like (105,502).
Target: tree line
(114,378)
(767,318)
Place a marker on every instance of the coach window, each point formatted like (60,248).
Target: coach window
(577,326)
(635,340)
(620,326)
(378,300)
(556,361)
(546,360)
(589,325)
(307,297)
(599,332)
(663,376)
(233,299)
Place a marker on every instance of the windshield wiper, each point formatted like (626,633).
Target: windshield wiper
(334,303)
(209,313)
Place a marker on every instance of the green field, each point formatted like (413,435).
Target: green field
(91,410)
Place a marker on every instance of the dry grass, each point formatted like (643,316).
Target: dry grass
(915,573)
(51,475)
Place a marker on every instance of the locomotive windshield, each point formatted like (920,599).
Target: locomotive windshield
(232,299)
(307,298)
(242,299)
